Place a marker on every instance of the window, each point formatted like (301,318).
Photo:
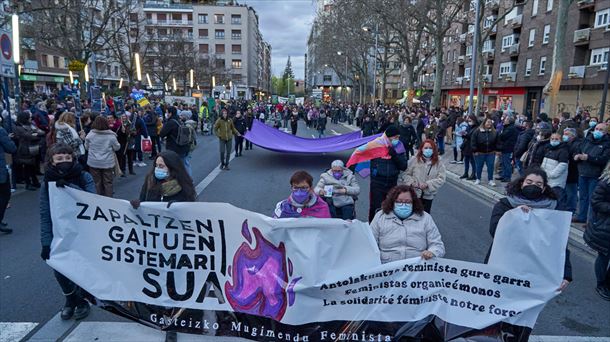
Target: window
(236,64)
(116,71)
(599,56)
(488,45)
(549,5)
(219,18)
(236,49)
(56,61)
(487,69)
(161,17)
(204,48)
(328,78)
(532,38)
(528,67)
(542,66)
(220,49)
(203,18)
(44,59)
(507,41)
(534,8)
(236,34)
(488,22)
(469,50)
(203,33)
(512,14)
(546,34)
(219,34)
(602,18)
(236,19)
(220,63)
(467,73)
(506,68)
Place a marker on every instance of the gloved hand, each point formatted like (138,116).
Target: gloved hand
(135,203)
(392,151)
(44,254)
(61,183)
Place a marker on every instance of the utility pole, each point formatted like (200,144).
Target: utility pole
(475,53)
(602,108)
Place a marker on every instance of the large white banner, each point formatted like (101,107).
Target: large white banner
(292,273)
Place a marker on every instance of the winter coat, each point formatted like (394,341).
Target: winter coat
(597,234)
(458,132)
(598,151)
(555,164)
(523,141)
(386,171)
(498,211)
(170,133)
(466,146)
(240,125)
(26,136)
(316,207)
(368,127)
(101,146)
(483,141)
(46,225)
(154,195)
(64,133)
(321,123)
(348,182)
(536,152)
(573,147)
(225,129)
(408,137)
(421,171)
(403,239)
(151,119)
(507,139)
(6,146)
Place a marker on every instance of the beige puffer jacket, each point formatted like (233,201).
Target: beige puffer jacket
(419,172)
(403,239)
(347,182)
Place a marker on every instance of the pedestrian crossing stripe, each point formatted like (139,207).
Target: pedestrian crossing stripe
(15,331)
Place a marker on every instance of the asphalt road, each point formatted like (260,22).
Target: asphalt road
(257,181)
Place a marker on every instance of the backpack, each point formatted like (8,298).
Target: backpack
(185,135)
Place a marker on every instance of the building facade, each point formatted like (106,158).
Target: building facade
(517,54)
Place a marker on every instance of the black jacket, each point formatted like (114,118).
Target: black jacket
(483,142)
(599,154)
(597,234)
(386,171)
(170,133)
(466,145)
(536,152)
(574,147)
(154,195)
(559,153)
(240,125)
(367,128)
(497,212)
(507,139)
(408,137)
(523,141)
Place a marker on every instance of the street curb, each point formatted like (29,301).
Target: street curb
(575,238)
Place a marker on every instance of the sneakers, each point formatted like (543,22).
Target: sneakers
(603,292)
(491,183)
(477,182)
(140,164)
(453,162)
(460,162)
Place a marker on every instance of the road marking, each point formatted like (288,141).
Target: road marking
(335,132)
(546,338)
(313,136)
(350,127)
(15,331)
(210,178)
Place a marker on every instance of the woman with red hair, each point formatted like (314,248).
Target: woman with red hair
(425,173)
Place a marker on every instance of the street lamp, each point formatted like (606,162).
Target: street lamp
(16,60)
(121,83)
(72,78)
(149,82)
(192,78)
(368,29)
(340,53)
(174,81)
(86,73)
(138,69)
(166,87)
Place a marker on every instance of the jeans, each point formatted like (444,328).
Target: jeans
(519,166)
(248,144)
(427,205)
(5,196)
(488,160)
(601,268)
(345,212)
(507,168)
(70,290)
(377,194)
(126,160)
(561,197)
(469,161)
(586,185)
(571,196)
(320,133)
(239,145)
(225,151)
(440,142)
(187,164)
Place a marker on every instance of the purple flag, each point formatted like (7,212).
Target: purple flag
(275,140)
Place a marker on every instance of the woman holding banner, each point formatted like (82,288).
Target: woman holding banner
(403,229)
(302,202)
(63,169)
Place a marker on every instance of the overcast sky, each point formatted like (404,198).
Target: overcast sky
(285,24)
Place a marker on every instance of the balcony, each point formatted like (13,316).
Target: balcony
(513,50)
(517,21)
(461,59)
(489,54)
(459,80)
(462,37)
(577,71)
(151,22)
(510,77)
(584,4)
(492,4)
(487,78)
(156,6)
(581,37)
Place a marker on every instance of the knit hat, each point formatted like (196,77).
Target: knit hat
(392,131)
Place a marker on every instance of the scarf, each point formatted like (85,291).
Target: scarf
(72,176)
(170,188)
(545,203)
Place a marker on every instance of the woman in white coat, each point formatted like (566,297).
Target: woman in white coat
(403,230)
(425,173)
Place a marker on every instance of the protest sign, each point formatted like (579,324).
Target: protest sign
(212,268)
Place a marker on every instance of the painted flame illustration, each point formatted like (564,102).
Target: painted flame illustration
(259,283)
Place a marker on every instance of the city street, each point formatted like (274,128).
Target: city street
(256,182)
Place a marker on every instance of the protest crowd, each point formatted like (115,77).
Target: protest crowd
(558,163)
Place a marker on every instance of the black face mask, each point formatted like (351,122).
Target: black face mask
(64,167)
(531,192)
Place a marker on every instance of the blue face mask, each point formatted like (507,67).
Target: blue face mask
(592,124)
(395,142)
(403,210)
(161,174)
(554,143)
(598,134)
(428,152)
(565,138)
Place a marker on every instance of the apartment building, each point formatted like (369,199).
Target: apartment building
(225,36)
(517,56)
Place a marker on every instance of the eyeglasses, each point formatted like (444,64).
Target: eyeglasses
(300,188)
(404,201)
(531,182)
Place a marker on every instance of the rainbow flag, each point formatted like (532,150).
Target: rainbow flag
(376,148)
